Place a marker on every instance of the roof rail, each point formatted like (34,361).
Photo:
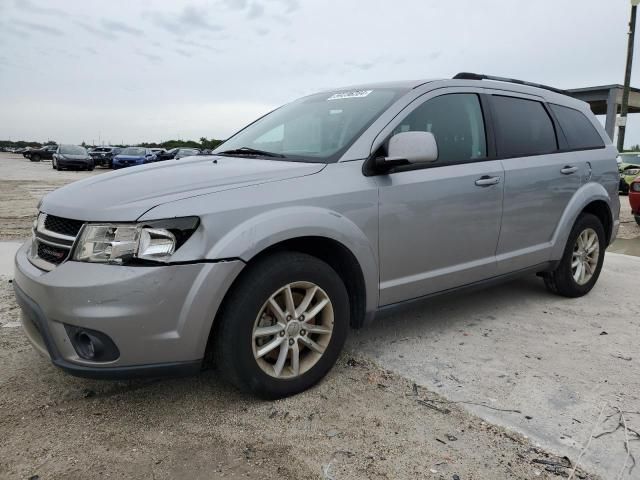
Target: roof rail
(478,76)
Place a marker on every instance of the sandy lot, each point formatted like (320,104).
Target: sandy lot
(499,375)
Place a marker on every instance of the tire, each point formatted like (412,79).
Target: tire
(53,164)
(236,350)
(34,158)
(562,281)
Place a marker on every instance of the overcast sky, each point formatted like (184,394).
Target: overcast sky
(151,70)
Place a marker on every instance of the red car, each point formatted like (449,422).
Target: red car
(634,198)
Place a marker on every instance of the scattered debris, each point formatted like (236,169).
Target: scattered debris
(326,472)
(528,417)
(433,407)
(622,423)
(333,433)
(456,476)
(415,389)
(248,452)
(441,441)
(451,438)
(622,357)
(603,333)
(352,362)
(565,462)
(88,393)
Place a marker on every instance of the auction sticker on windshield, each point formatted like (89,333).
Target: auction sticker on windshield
(354,94)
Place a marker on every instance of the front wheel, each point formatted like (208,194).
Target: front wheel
(581,263)
(283,325)
(35,158)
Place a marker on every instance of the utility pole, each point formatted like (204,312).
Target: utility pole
(622,122)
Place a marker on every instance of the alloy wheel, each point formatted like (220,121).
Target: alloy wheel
(586,253)
(292,330)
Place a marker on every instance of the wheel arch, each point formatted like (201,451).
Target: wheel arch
(590,198)
(329,250)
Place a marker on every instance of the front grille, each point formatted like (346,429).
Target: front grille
(53,239)
(51,254)
(63,226)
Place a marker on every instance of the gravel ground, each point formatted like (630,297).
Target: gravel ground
(361,422)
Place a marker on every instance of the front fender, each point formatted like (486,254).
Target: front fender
(258,233)
(587,193)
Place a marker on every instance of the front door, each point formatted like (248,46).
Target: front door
(440,223)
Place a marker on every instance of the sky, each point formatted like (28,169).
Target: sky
(125,71)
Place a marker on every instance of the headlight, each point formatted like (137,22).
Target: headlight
(631,171)
(122,244)
(635,186)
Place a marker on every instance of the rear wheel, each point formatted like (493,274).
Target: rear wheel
(35,158)
(283,326)
(580,266)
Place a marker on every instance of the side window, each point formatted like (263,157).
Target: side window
(577,128)
(523,127)
(456,122)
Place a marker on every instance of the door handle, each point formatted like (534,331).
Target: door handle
(568,170)
(486,181)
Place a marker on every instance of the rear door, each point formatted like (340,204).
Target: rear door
(540,180)
(439,223)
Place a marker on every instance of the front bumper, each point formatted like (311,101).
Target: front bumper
(158,317)
(75,163)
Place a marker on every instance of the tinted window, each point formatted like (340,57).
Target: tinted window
(523,127)
(457,123)
(577,128)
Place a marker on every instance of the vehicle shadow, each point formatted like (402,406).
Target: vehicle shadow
(453,311)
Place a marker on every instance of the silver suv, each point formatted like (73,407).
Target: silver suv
(259,258)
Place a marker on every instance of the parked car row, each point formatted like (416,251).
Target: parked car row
(75,156)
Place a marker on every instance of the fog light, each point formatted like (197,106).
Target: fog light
(91,344)
(88,345)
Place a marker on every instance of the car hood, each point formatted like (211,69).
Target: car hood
(624,166)
(125,195)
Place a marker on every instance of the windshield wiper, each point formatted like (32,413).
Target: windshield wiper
(251,151)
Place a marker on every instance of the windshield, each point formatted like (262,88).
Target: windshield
(318,128)
(134,151)
(630,157)
(72,150)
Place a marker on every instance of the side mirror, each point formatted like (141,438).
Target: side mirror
(412,147)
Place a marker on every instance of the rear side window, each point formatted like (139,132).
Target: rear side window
(523,127)
(578,130)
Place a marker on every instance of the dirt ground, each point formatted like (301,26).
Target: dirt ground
(362,421)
